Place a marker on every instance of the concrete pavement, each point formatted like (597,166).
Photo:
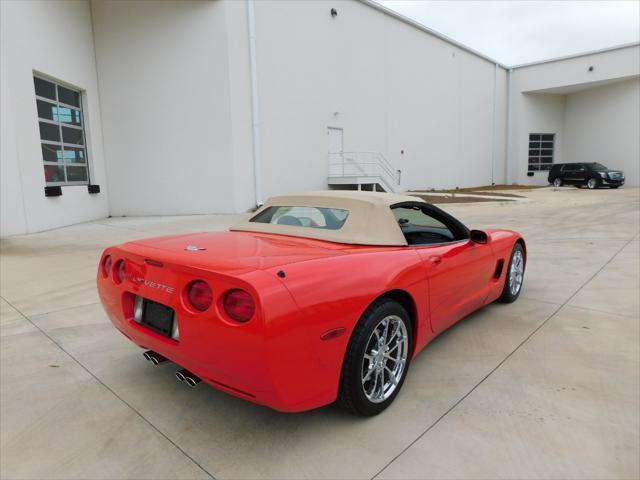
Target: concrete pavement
(547,387)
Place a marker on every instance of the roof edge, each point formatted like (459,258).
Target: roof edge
(577,55)
(419,26)
(455,43)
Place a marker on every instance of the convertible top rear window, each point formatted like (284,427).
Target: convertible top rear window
(312,217)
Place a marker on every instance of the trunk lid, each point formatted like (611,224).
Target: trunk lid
(233,251)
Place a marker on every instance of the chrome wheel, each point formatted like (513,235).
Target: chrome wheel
(557,182)
(592,183)
(516,272)
(385,358)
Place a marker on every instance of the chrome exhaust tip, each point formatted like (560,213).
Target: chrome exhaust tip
(192,380)
(188,377)
(154,357)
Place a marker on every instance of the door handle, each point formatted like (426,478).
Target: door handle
(435,259)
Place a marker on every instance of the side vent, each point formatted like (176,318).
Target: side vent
(499,267)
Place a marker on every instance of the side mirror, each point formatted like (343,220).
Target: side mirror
(478,236)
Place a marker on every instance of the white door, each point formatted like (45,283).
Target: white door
(335,142)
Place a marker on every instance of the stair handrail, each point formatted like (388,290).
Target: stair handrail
(361,163)
(384,164)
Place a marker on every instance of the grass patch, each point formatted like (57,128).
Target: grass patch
(493,194)
(485,188)
(455,198)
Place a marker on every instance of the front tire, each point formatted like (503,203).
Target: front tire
(514,277)
(557,182)
(592,184)
(377,359)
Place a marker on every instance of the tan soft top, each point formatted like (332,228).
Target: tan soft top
(370,220)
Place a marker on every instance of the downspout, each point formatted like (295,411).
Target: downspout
(255,117)
(509,129)
(493,125)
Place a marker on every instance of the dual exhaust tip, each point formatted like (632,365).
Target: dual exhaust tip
(182,375)
(154,357)
(188,377)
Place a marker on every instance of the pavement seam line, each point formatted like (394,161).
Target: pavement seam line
(121,227)
(136,411)
(596,310)
(580,307)
(502,362)
(63,309)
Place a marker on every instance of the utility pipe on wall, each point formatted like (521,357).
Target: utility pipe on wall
(509,129)
(493,125)
(255,117)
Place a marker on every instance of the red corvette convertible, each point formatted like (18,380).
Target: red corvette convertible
(316,297)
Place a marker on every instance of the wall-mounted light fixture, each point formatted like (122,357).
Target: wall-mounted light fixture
(590,68)
(334,13)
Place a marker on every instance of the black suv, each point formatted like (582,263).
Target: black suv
(593,175)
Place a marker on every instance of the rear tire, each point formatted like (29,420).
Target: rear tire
(557,182)
(592,183)
(514,276)
(369,359)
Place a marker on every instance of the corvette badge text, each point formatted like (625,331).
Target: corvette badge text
(150,284)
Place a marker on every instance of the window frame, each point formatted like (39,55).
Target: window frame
(573,168)
(327,212)
(537,157)
(61,143)
(459,230)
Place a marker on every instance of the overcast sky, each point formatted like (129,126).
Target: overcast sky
(515,32)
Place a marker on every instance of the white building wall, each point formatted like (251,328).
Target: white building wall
(175,104)
(52,38)
(389,85)
(538,106)
(603,125)
(165,89)
(240,101)
(538,113)
(12,214)
(574,71)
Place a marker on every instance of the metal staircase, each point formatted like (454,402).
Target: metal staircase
(363,168)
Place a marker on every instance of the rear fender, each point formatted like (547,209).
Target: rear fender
(332,294)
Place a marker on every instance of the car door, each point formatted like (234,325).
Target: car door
(458,270)
(580,174)
(576,174)
(569,173)
(458,276)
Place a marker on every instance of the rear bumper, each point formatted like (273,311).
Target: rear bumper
(230,382)
(263,361)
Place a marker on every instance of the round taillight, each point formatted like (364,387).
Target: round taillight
(106,265)
(239,305)
(118,272)
(200,295)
